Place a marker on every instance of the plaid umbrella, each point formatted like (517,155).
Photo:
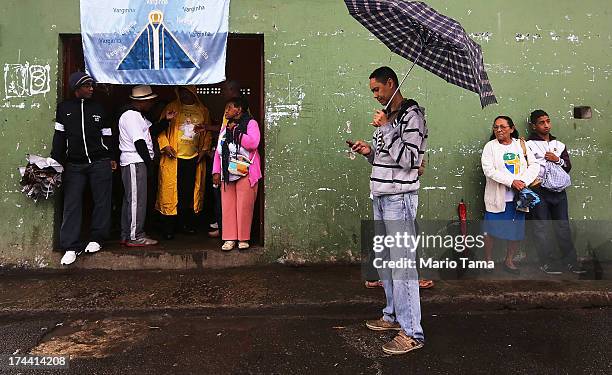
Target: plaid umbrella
(434,42)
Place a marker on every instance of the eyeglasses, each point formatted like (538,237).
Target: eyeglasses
(503,127)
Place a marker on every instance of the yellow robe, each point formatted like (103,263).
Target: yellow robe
(167,192)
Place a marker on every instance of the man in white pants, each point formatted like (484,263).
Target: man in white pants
(136,146)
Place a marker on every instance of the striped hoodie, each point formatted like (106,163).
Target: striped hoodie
(397,152)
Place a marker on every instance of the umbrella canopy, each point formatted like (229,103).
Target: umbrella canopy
(433,41)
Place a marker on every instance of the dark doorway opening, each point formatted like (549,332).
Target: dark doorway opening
(244,64)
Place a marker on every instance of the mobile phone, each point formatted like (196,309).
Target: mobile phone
(350,143)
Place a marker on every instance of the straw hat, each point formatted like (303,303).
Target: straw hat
(142,92)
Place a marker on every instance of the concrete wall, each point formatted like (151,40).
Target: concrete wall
(550,54)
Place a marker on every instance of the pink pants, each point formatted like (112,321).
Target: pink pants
(237,202)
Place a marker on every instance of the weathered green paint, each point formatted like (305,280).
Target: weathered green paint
(550,54)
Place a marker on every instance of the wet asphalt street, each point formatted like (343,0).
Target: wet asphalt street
(324,342)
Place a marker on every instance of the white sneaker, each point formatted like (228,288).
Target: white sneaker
(68,258)
(92,247)
(243,245)
(228,245)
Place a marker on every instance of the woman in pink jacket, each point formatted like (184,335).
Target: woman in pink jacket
(238,141)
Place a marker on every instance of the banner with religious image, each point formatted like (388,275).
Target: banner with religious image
(155,42)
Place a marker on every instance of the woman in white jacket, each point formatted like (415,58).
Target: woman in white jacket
(507,173)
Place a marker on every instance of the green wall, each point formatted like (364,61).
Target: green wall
(545,54)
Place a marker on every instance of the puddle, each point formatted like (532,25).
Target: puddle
(366,342)
(92,339)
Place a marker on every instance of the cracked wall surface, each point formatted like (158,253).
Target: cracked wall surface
(548,54)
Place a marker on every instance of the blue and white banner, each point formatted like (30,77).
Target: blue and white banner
(155,42)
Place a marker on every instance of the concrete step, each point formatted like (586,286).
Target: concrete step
(182,253)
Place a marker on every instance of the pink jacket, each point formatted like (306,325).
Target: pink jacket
(249,141)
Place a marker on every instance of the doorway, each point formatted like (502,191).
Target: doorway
(245,64)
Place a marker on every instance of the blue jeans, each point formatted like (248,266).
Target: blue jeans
(396,214)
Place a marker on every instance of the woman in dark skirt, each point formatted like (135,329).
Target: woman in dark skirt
(507,172)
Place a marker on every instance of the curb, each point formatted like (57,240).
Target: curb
(522,301)
(445,303)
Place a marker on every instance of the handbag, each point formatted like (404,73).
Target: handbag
(537,182)
(555,177)
(239,165)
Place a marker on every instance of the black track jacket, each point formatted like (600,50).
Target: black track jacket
(82,133)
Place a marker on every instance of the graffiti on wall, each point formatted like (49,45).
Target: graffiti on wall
(24,81)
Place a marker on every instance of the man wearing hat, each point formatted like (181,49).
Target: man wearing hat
(81,144)
(136,146)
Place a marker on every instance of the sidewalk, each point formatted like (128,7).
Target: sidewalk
(275,289)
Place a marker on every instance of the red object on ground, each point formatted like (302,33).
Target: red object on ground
(462,210)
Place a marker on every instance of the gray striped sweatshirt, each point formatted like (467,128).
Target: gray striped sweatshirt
(397,152)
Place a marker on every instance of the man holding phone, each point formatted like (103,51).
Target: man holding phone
(396,153)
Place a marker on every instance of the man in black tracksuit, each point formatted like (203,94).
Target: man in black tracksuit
(81,144)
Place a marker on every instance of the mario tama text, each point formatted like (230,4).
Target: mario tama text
(411,242)
(433,264)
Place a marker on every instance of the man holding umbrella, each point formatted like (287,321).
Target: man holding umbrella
(396,152)
(441,46)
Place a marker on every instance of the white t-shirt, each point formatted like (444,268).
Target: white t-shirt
(132,127)
(512,162)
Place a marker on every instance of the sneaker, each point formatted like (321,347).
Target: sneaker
(513,271)
(550,269)
(144,241)
(242,245)
(369,284)
(426,284)
(401,344)
(68,258)
(214,234)
(228,245)
(214,225)
(382,325)
(576,268)
(92,247)
(189,230)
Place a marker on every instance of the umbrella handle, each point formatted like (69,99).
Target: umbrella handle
(401,83)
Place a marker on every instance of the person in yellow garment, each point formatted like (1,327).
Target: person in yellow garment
(181,169)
